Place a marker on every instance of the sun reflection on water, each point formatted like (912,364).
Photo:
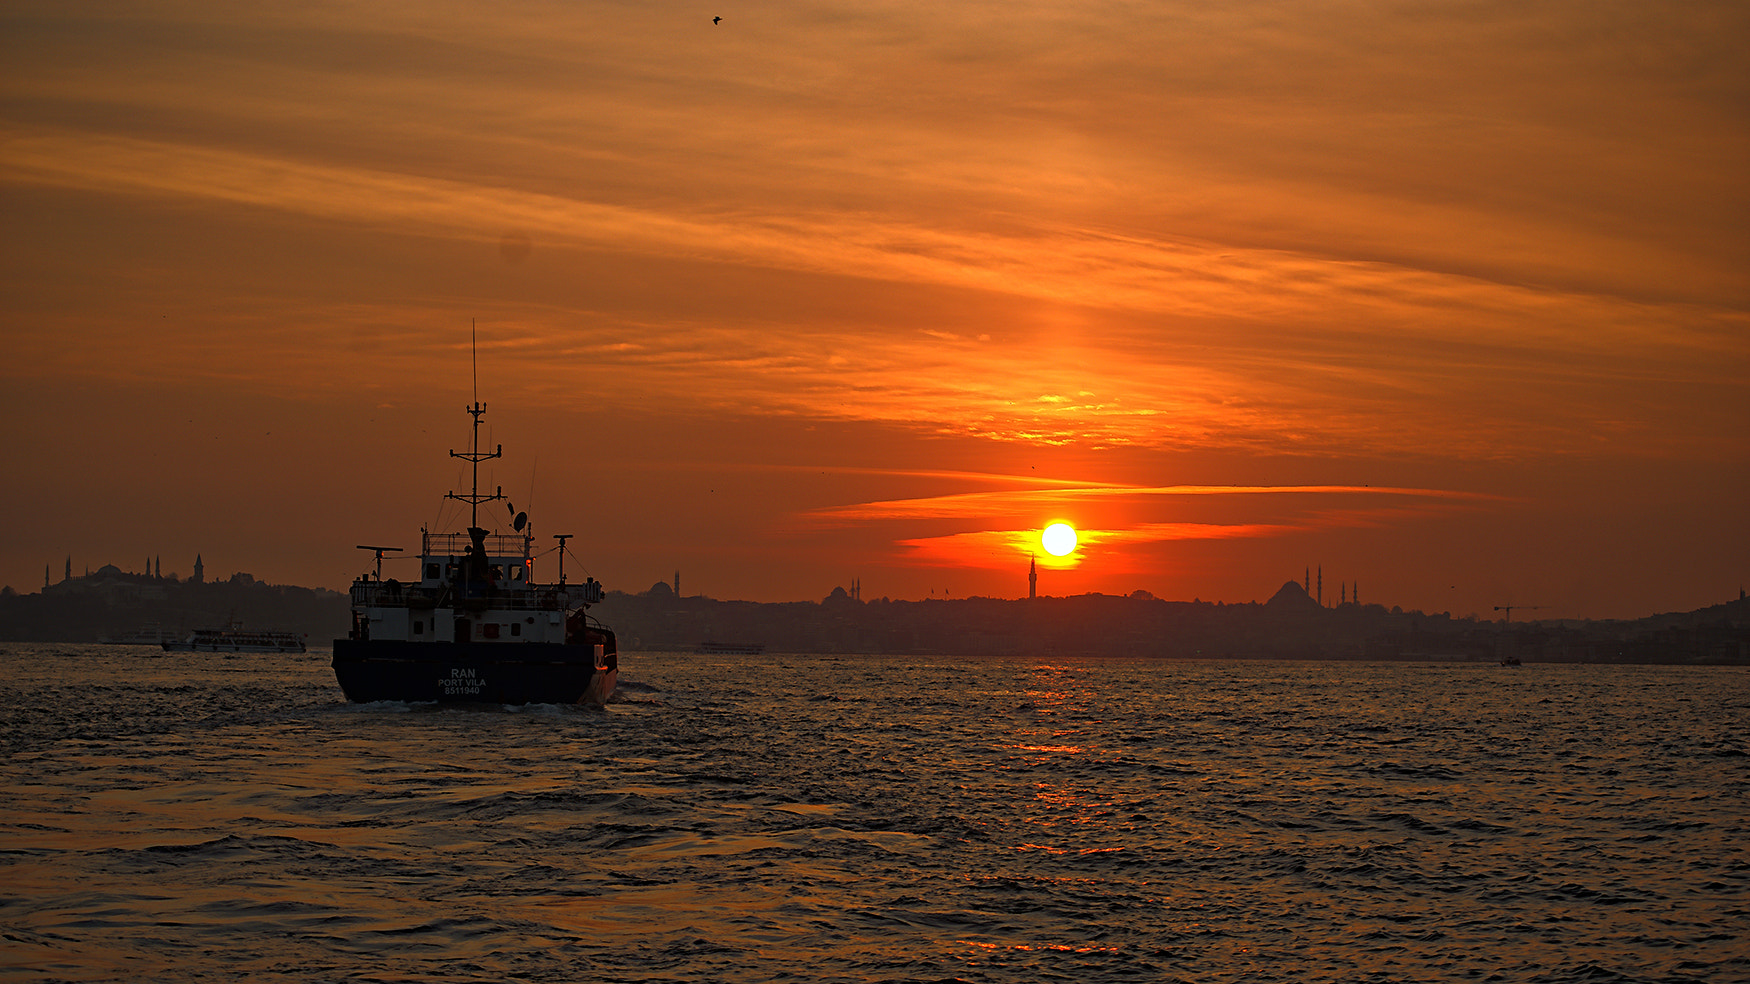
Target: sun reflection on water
(1042,947)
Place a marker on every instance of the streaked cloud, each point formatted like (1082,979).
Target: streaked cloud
(1132,378)
(1115,518)
(989,503)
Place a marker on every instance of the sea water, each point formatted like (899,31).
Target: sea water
(198,817)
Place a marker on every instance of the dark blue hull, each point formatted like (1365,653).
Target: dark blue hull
(484,673)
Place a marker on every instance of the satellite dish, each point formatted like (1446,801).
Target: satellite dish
(522,520)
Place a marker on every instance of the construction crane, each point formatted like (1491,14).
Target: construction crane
(1509,610)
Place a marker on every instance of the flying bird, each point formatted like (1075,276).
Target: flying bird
(716,20)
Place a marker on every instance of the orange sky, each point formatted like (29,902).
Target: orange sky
(1450,299)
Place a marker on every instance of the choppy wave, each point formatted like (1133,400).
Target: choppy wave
(833,818)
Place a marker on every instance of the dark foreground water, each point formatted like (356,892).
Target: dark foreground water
(831,818)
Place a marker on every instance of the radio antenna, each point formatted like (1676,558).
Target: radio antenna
(474,455)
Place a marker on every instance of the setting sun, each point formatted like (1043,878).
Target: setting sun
(1058,539)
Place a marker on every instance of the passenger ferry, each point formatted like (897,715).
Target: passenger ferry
(150,634)
(235,639)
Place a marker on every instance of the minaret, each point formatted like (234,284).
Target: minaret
(1321,585)
(69,575)
(1343,590)
(1032,577)
(199,571)
(677,584)
(1307,586)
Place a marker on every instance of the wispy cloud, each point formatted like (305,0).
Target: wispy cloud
(1138,347)
(1003,502)
(1128,516)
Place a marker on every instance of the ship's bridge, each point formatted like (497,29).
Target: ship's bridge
(508,563)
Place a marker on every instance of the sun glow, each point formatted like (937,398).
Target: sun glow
(1059,539)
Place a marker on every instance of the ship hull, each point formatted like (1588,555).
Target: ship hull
(481,673)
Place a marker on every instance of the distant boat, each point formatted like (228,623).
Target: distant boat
(1510,661)
(150,634)
(730,649)
(476,626)
(235,639)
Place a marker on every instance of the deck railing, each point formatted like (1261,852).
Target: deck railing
(394,594)
(458,544)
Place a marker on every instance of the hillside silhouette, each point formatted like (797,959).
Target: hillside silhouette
(110,604)
(1291,625)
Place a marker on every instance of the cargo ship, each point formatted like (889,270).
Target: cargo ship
(477,625)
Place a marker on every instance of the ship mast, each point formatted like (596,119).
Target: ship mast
(475,455)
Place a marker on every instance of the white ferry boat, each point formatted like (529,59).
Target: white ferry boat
(477,626)
(236,640)
(149,634)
